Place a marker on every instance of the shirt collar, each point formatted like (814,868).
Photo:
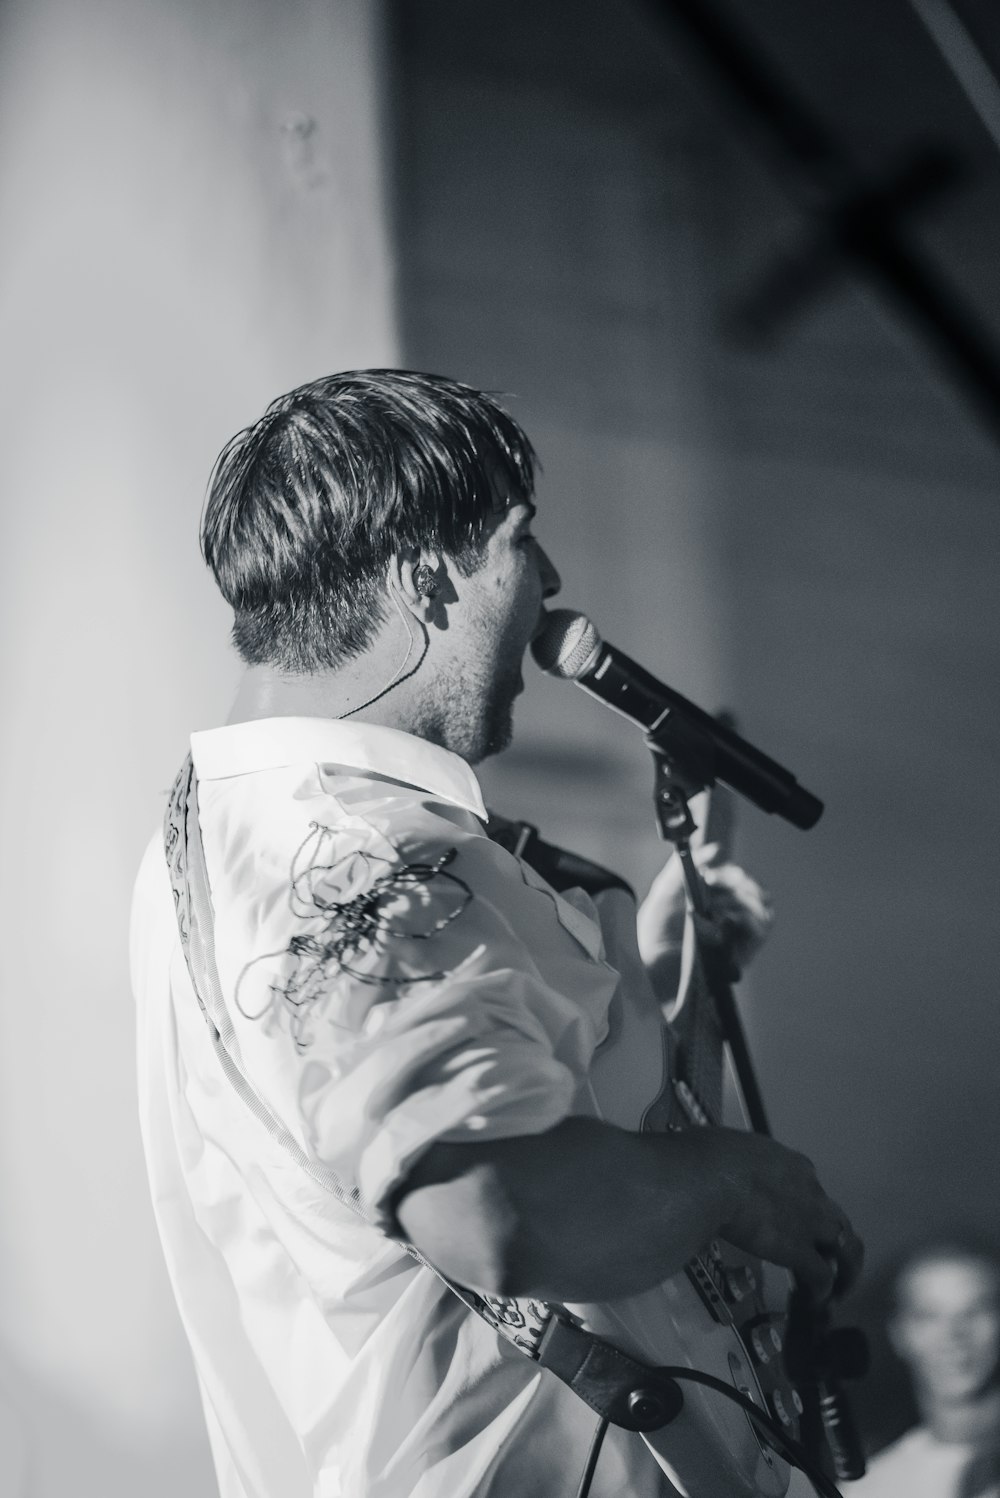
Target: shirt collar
(268,743)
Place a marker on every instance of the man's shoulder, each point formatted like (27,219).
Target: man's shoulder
(269,826)
(152,925)
(152,878)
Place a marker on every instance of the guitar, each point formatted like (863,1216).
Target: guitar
(725,1313)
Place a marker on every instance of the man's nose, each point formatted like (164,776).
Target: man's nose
(551,581)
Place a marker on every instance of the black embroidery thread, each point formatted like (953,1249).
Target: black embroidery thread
(354,927)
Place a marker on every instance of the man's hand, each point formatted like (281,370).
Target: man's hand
(740,911)
(781,1213)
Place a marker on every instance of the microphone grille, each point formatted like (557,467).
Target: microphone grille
(566,645)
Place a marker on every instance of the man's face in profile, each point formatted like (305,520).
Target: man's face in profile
(947,1327)
(494,616)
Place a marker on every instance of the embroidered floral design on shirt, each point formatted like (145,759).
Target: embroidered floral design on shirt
(360,913)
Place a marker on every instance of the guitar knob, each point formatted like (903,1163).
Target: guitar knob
(740,1282)
(787,1411)
(766,1343)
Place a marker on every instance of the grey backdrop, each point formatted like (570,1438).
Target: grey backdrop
(807,534)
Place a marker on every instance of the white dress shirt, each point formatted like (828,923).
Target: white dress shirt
(392,978)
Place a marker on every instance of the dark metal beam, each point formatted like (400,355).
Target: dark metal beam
(852,222)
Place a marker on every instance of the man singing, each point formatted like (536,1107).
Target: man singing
(370,1028)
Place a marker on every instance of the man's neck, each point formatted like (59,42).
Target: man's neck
(358,686)
(969,1421)
(265,693)
(355,691)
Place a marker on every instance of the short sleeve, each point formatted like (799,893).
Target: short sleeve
(418,994)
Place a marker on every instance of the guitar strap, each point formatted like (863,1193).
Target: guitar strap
(616,1387)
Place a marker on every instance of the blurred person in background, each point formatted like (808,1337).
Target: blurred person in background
(389,1027)
(945,1326)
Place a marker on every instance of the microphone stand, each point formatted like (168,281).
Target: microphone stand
(816,1356)
(676,824)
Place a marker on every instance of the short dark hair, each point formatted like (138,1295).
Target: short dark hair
(306,506)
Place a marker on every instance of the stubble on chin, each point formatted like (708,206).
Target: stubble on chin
(499,735)
(481,725)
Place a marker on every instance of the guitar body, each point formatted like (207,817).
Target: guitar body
(725,1313)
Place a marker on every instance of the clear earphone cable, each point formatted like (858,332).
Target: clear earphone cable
(401,673)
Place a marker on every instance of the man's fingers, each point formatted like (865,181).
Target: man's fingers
(842,1254)
(746,895)
(785,1217)
(744,904)
(816,1272)
(709,930)
(847,1254)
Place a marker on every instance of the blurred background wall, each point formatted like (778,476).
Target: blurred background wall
(806,532)
(205,203)
(194,220)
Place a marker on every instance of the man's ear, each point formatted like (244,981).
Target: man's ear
(415,577)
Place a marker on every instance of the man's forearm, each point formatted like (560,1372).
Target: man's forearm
(583,1212)
(590,1212)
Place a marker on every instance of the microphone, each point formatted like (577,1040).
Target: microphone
(569,646)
